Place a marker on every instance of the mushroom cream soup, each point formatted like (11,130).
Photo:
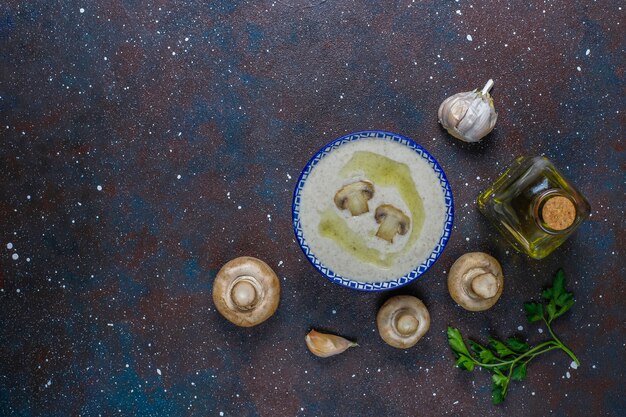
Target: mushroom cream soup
(372,210)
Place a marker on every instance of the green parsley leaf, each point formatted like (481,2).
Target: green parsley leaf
(519,372)
(558,285)
(499,379)
(508,361)
(482,352)
(564,308)
(517,345)
(564,299)
(455,340)
(534,311)
(485,355)
(497,394)
(465,363)
(551,310)
(500,348)
(547,294)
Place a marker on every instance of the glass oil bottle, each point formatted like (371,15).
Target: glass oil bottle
(534,206)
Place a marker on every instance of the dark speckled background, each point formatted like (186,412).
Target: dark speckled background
(144,144)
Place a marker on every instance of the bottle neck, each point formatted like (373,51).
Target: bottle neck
(554,211)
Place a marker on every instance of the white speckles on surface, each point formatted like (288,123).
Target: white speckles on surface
(144,246)
(469,38)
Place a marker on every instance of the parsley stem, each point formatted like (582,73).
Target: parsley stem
(561,344)
(534,355)
(541,352)
(523,355)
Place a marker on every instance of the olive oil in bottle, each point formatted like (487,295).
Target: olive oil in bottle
(534,206)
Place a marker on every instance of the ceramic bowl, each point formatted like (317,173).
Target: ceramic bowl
(419,269)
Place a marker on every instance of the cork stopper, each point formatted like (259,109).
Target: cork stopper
(558,213)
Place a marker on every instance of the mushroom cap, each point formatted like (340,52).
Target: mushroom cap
(360,189)
(475,281)
(385,211)
(246,291)
(402,321)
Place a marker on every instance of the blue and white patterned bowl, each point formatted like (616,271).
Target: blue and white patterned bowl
(419,269)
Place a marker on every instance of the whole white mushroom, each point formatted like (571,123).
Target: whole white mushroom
(475,281)
(246,291)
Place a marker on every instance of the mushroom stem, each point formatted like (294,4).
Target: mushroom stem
(244,294)
(357,206)
(485,285)
(388,229)
(487,87)
(406,323)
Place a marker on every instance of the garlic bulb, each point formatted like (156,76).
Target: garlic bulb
(469,116)
(325,345)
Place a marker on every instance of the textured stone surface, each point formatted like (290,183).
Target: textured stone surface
(144,144)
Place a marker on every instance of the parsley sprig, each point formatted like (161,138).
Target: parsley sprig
(508,360)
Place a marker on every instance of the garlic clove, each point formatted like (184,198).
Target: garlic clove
(469,116)
(325,345)
(453,109)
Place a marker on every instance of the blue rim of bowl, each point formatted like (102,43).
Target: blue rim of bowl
(420,269)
